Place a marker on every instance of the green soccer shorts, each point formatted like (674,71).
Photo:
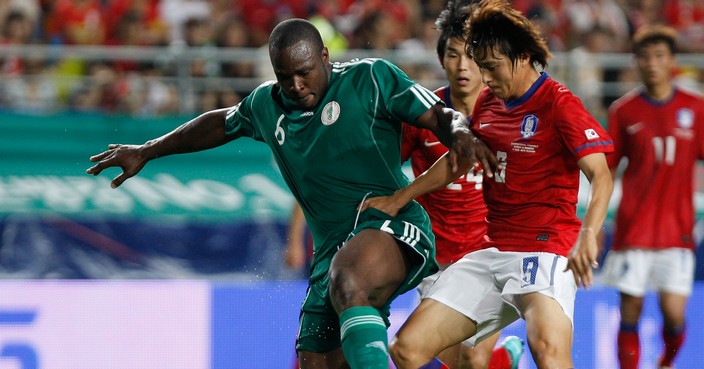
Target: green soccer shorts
(319,329)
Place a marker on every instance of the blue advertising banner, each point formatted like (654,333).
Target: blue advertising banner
(227,324)
(255,327)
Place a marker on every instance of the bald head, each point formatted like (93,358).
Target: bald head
(292,31)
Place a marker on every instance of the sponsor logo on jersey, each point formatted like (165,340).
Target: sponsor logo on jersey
(483,125)
(591,134)
(430,143)
(307,114)
(331,112)
(685,118)
(633,128)
(529,126)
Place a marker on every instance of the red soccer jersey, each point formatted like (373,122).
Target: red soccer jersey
(539,138)
(456,212)
(662,142)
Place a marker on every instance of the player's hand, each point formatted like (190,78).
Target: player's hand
(582,258)
(388,204)
(127,157)
(466,146)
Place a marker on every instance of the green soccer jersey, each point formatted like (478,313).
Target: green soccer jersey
(344,149)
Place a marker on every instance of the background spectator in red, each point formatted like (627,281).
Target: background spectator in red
(77,22)
(151,29)
(16,30)
(262,15)
(687,17)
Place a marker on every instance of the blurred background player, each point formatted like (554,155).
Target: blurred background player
(298,251)
(457,212)
(659,130)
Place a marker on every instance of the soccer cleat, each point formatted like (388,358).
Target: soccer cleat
(514,347)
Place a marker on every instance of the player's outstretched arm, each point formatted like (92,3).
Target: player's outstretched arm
(203,132)
(583,256)
(437,176)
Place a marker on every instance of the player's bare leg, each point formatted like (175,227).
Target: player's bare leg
(451,356)
(367,270)
(477,357)
(431,328)
(364,274)
(329,360)
(672,307)
(549,331)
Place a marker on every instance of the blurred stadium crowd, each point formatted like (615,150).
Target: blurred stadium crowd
(38,83)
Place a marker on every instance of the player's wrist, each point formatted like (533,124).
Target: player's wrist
(405,195)
(459,124)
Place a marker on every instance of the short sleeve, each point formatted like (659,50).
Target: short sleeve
(582,134)
(403,98)
(614,126)
(239,120)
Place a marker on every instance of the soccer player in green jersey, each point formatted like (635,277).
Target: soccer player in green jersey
(334,130)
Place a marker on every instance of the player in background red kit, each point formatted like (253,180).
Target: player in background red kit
(659,129)
(541,137)
(457,211)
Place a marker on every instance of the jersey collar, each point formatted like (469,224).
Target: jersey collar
(531,91)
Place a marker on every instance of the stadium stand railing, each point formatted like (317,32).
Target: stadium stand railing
(594,77)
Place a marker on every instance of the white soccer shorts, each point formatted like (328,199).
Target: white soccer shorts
(634,271)
(484,285)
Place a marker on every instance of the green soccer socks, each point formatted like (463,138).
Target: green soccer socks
(364,338)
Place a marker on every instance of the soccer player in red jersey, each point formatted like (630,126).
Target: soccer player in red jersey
(457,211)
(659,128)
(536,251)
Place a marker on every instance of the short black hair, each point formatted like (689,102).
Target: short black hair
(494,25)
(291,31)
(649,35)
(450,23)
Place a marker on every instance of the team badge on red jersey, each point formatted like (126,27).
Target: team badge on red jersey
(529,125)
(685,118)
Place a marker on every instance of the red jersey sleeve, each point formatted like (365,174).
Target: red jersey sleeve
(579,131)
(614,127)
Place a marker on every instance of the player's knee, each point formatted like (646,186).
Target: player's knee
(547,353)
(345,290)
(403,352)
(473,359)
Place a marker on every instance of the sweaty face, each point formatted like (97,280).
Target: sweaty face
(461,71)
(655,63)
(302,73)
(506,79)
(498,74)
